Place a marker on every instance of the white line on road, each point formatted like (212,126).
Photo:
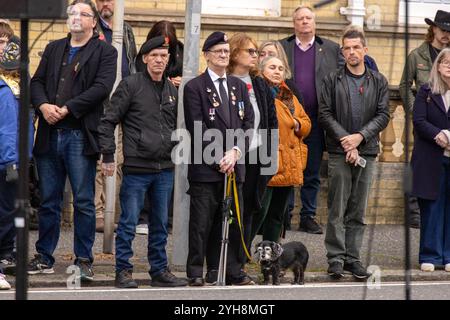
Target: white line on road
(307,286)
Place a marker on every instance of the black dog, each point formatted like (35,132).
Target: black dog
(274,257)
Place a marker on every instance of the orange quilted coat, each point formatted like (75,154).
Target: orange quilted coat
(292,152)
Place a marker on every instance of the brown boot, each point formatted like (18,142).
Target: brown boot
(99,225)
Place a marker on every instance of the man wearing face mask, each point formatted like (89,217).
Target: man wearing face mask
(75,75)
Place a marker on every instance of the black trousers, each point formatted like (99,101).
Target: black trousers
(205,230)
(252,173)
(7,213)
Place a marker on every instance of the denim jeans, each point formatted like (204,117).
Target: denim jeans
(65,158)
(158,187)
(435,223)
(311,175)
(7,212)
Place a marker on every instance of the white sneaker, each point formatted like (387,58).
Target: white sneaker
(142,229)
(427,267)
(447,267)
(4,285)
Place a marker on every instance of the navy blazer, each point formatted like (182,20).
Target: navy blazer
(429,118)
(199,98)
(92,84)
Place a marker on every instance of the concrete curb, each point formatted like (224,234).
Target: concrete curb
(143,279)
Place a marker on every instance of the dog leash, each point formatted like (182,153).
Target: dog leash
(232,180)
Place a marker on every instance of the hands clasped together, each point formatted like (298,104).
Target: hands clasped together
(350,144)
(52,113)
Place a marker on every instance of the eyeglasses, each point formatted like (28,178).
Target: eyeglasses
(252,51)
(220,51)
(72,12)
(445,63)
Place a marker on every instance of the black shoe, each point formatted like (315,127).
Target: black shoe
(335,270)
(211,277)
(196,282)
(414,221)
(167,279)
(124,279)
(357,270)
(310,225)
(86,273)
(243,279)
(38,265)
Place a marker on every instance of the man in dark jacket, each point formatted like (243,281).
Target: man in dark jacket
(73,78)
(353,110)
(315,57)
(106,14)
(215,102)
(146,105)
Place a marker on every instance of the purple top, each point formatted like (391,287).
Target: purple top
(305,77)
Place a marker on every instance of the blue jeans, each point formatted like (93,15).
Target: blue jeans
(311,175)
(435,223)
(158,187)
(65,158)
(7,213)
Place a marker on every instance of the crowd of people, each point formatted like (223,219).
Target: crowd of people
(288,100)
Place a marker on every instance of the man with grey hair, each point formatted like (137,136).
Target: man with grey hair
(315,57)
(106,12)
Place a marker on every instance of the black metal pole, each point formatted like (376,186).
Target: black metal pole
(407,174)
(21,220)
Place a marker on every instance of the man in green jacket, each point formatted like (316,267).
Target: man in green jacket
(417,69)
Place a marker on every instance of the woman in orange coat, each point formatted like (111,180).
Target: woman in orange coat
(294,125)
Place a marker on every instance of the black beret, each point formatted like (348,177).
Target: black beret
(214,38)
(155,43)
(10,57)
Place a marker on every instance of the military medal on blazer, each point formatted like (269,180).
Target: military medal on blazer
(241,107)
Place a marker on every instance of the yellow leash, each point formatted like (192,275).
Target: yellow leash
(232,179)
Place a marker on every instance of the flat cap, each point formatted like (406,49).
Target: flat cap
(214,38)
(155,43)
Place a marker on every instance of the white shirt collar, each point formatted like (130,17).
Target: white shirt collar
(309,44)
(214,75)
(446,98)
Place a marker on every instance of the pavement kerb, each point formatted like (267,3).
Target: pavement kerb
(143,279)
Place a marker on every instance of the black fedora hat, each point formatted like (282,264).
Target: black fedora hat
(441,20)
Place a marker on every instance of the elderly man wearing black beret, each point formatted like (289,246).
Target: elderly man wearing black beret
(215,101)
(145,104)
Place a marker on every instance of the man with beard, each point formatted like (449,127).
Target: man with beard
(353,110)
(75,75)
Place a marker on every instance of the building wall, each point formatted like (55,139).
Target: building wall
(386,47)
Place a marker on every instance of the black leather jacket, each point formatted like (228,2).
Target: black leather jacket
(335,111)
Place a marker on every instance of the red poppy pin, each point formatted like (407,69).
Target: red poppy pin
(249,87)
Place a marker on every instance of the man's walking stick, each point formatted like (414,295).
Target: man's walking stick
(226,215)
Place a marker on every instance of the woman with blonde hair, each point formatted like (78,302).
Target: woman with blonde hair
(273,48)
(243,64)
(294,125)
(431,164)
